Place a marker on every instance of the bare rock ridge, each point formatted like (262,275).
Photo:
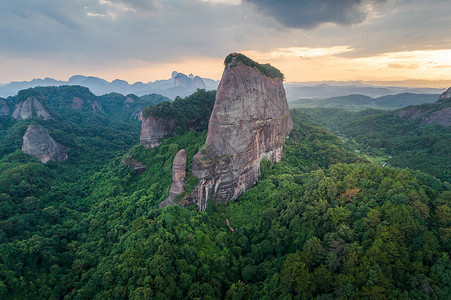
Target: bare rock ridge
(38,143)
(178,178)
(153,129)
(30,108)
(250,121)
(430,114)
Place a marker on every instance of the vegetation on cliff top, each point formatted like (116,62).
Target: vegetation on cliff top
(192,112)
(265,69)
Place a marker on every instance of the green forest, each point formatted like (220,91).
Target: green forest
(324,223)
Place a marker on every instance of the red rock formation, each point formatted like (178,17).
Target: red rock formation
(178,178)
(77,103)
(30,108)
(153,129)
(250,121)
(38,143)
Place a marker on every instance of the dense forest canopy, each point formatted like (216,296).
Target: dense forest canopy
(323,223)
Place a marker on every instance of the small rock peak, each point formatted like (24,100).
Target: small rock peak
(77,103)
(30,108)
(38,143)
(153,129)
(178,178)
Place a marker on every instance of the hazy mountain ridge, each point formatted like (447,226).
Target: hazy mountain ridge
(167,87)
(360,102)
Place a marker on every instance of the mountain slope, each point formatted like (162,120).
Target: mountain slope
(412,137)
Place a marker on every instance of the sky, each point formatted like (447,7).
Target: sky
(308,40)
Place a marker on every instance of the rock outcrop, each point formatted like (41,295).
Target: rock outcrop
(433,113)
(4,108)
(30,108)
(38,143)
(133,164)
(77,103)
(445,95)
(153,130)
(250,121)
(178,178)
(96,107)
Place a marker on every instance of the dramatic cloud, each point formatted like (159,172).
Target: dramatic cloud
(311,13)
(119,37)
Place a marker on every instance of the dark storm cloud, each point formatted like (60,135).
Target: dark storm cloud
(311,13)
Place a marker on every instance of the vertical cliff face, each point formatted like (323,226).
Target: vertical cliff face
(38,143)
(153,130)
(178,178)
(29,108)
(250,121)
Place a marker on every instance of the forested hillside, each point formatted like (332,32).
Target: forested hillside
(403,139)
(321,223)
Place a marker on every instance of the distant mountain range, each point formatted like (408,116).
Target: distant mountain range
(324,90)
(358,102)
(183,85)
(178,85)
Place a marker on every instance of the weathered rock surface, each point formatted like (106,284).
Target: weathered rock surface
(250,121)
(445,95)
(441,117)
(153,130)
(77,103)
(133,164)
(4,108)
(38,143)
(30,108)
(178,178)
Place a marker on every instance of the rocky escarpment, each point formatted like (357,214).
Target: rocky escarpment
(4,108)
(178,178)
(430,114)
(250,121)
(30,108)
(38,143)
(153,129)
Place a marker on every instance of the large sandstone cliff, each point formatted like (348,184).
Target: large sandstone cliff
(153,130)
(38,143)
(29,108)
(250,121)
(178,178)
